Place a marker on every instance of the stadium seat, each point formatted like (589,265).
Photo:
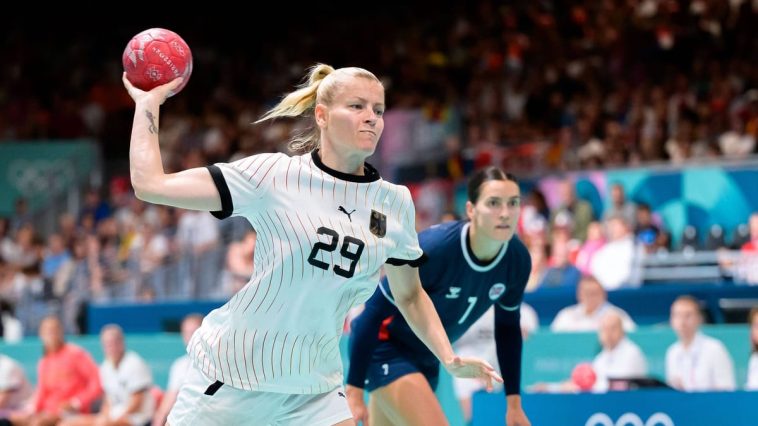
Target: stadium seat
(690,240)
(715,238)
(741,236)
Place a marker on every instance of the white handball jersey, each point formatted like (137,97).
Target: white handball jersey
(322,237)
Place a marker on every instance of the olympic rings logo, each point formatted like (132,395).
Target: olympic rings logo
(32,177)
(629,419)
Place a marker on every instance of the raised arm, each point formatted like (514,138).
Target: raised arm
(418,310)
(190,189)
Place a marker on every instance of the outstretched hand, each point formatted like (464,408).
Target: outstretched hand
(473,368)
(357,405)
(159,93)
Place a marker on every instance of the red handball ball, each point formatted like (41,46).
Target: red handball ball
(155,57)
(584,376)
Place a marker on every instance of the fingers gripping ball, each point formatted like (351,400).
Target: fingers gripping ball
(584,376)
(155,57)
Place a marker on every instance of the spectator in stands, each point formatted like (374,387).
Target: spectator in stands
(198,238)
(646,232)
(696,362)
(746,263)
(11,328)
(586,315)
(94,206)
(479,340)
(595,241)
(55,256)
(620,206)
(737,142)
(15,389)
(21,217)
(152,248)
(752,245)
(752,369)
(20,252)
(561,272)
(616,264)
(67,228)
(126,380)
(540,253)
(578,210)
(178,371)
(535,214)
(620,358)
(67,381)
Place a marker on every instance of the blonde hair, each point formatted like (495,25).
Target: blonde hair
(321,87)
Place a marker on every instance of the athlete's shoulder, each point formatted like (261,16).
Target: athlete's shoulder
(444,230)
(519,261)
(517,248)
(443,237)
(257,166)
(400,189)
(260,157)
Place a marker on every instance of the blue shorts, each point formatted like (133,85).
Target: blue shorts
(389,364)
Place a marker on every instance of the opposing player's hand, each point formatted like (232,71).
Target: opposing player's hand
(356,404)
(159,93)
(473,368)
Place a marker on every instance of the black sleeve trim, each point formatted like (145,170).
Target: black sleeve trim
(414,263)
(223,191)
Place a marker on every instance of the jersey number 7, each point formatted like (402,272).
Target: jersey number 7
(353,256)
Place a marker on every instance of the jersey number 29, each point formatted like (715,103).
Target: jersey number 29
(353,256)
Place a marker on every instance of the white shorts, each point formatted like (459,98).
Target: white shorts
(232,406)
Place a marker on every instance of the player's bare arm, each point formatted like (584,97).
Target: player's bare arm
(190,189)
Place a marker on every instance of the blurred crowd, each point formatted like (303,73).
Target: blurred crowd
(534,85)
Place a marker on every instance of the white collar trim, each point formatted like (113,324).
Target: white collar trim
(467,256)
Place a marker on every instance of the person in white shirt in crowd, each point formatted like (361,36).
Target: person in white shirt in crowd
(479,340)
(178,371)
(616,264)
(126,380)
(620,358)
(586,315)
(595,241)
(15,388)
(752,368)
(696,362)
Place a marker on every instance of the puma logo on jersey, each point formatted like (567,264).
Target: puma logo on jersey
(342,209)
(454,293)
